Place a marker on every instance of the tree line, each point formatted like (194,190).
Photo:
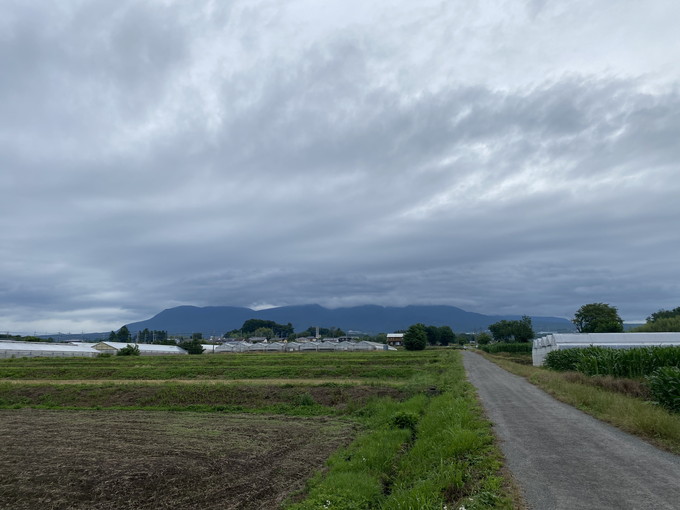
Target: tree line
(589,318)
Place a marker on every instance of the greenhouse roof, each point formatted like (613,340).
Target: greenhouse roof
(45,346)
(146,347)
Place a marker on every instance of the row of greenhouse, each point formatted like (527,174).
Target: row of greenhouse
(301,347)
(18,349)
(554,342)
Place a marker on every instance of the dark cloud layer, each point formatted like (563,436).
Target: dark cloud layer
(159,154)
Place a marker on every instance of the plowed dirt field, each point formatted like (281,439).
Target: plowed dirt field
(160,460)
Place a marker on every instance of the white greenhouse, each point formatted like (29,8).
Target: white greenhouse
(17,349)
(302,347)
(555,342)
(144,349)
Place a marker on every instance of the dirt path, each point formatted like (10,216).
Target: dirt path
(564,459)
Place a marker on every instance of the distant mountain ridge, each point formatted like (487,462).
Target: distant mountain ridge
(216,320)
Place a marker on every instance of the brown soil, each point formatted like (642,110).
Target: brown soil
(173,394)
(158,460)
(312,382)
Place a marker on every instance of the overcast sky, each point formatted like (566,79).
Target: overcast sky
(500,156)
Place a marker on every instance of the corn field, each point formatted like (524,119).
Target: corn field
(632,363)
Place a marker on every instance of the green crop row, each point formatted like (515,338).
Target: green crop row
(665,386)
(375,365)
(633,363)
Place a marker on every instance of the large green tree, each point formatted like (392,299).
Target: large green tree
(280,330)
(513,331)
(446,335)
(598,318)
(415,338)
(433,335)
(123,334)
(664,314)
(192,346)
(263,332)
(663,320)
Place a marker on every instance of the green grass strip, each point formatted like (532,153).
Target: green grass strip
(445,459)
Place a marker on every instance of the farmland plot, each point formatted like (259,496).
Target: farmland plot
(138,459)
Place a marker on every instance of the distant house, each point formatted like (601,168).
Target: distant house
(144,349)
(395,339)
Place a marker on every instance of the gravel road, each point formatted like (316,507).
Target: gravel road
(563,458)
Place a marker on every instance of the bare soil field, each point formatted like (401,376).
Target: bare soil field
(160,460)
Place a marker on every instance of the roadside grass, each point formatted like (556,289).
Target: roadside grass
(604,399)
(429,452)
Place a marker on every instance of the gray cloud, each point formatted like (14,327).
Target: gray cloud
(157,155)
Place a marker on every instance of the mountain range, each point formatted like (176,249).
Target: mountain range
(216,320)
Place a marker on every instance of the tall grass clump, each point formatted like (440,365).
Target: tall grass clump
(665,386)
(507,347)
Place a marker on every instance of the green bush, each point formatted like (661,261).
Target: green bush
(128,350)
(507,347)
(405,420)
(665,386)
(304,399)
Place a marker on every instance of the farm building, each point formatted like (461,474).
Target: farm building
(546,344)
(144,349)
(15,349)
(395,339)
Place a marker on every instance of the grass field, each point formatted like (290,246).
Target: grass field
(343,365)
(233,430)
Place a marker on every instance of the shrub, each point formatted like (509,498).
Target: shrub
(304,399)
(405,420)
(665,386)
(128,350)
(507,347)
